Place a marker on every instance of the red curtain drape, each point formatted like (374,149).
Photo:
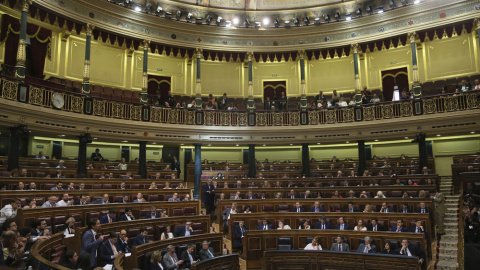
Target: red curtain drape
(160,83)
(273,89)
(393,77)
(40,39)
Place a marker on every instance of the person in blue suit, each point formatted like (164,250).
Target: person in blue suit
(323,224)
(265,225)
(367,247)
(108,250)
(89,244)
(399,227)
(317,208)
(141,238)
(153,213)
(109,218)
(186,230)
(298,208)
(341,225)
(239,233)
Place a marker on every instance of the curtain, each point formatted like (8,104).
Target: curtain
(158,83)
(273,89)
(40,40)
(393,77)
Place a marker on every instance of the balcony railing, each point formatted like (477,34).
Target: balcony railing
(40,96)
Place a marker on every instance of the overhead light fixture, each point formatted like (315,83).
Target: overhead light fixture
(168,15)
(472,132)
(296,21)
(264,145)
(246,23)
(237,144)
(369,9)
(406,137)
(287,24)
(159,9)
(148,8)
(358,12)
(416,2)
(219,21)
(179,15)
(138,8)
(291,144)
(236,21)
(376,140)
(380,10)
(124,141)
(438,135)
(318,143)
(348,17)
(306,20)
(326,17)
(337,16)
(228,23)
(266,21)
(94,138)
(276,22)
(189,17)
(198,20)
(347,142)
(258,24)
(316,21)
(154,142)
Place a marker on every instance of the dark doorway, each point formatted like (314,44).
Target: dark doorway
(126,153)
(168,153)
(273,89)
(391,78)
(57,150)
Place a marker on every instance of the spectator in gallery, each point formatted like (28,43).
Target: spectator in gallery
(122,165)
(41,155)
(96,156)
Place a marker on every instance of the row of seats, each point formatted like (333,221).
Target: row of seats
(269,208)
(331,194)
(449,84)
(338,182)
(49,186)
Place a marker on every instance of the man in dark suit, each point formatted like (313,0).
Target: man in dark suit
(96,156)
(350,208)
(399,227)
(89,244)
(323,224)
(250,196)
(265,225)
(153,213)
(463,86)
(208,197)
(291,194)
(267,104)
(188,256)
(127,215)
(317,208)
(223,102)
(298,208)
(141,238)
(341,225)
(108,250)
(411,251)
(175,165)
(405,208)
(423,209)
(238,234)
(340,245)
(282,101)
(109,218)
(206,252)
(367,247)
(226,215)
(122,242)
(264,196)
(375,226)
(171,260)
(419,228)
(184,230)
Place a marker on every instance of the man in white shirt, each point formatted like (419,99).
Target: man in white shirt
(342,103)
(9,210)
(226,214)
(61,165)
(65,201)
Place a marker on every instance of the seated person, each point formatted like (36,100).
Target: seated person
(341,225)
(239,233)
(188,256)
(374,225)
(399,227)
(388,250)
(186,230)
(206,252)
(367,247)
(411,251)
(317,208)
(109,218)
(96,156)
(156,262)
(304,225)
(265,225)
(141,238)
(283,226)
(323,224)
(315,245)
(419,228)
(127,215)
(153,213)
(463,86)
(298,208)
(108,251)
(360,226)
(340,245)
(122,242)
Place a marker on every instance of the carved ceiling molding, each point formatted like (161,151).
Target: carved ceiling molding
(142,26)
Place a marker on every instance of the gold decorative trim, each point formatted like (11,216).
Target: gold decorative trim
(88,29)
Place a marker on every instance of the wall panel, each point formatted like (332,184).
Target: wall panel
(327,153)
(330,74)
(222,77)
(386,60)
(52,64)
(283,71)
(281,154)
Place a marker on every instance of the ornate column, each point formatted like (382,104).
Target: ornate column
(86,65)
(362,159)
(198,169)
(83,139)
(250,103)
(303,88)
(417,90)
(22,52)
(477,23)
(198,86)
(252,169)
(358,88)
(142,159)
(144,94)
(305,160)
(14,146)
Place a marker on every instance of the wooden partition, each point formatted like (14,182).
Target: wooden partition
(42,196)
(294,220)
(42,250)
(25,217)
(47,183)
(136,258)
(257,206)
(226,262)
(255,243)
(323,260)
(458,170)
